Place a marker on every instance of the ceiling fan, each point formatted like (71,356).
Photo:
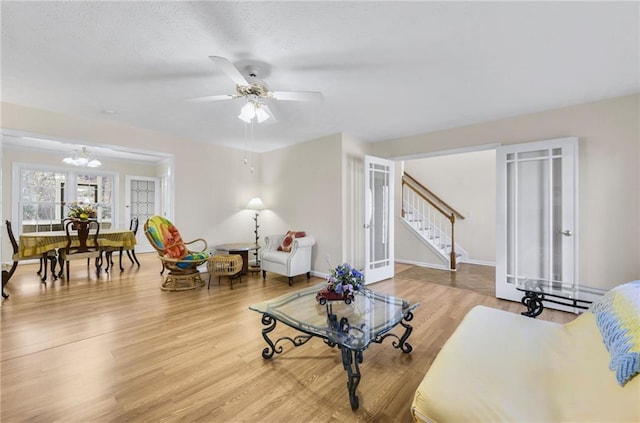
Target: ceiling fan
(255,91)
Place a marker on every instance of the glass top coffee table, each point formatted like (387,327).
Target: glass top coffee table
(536,291)
(351,327)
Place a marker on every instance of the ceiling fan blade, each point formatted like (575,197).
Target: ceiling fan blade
(297,95)
(228,68)
(211,98)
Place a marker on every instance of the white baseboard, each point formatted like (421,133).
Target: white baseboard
(479,262)
(319,274)
(421,264)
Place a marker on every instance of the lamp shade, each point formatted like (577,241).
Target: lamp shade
(256,204)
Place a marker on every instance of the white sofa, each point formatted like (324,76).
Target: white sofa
(503,367)
(289,264)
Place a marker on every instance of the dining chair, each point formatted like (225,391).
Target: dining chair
(43,258)
(131,252)
(82,243)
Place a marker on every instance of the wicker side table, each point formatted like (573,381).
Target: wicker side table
(224,265)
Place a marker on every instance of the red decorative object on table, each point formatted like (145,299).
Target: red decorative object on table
(325,295)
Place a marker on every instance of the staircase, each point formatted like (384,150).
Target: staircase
(432,220)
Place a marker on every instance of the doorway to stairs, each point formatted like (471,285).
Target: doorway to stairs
(467,182)
(519,203)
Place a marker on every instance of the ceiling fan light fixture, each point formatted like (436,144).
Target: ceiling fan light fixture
(261,114)
(247,113)
(253,110)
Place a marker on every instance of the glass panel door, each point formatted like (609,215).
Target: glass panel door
(379,254)
(143,201)
(536,214)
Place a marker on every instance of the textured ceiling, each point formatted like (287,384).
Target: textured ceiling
(386,69)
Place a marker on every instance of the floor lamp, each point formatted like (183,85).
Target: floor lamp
(256,204)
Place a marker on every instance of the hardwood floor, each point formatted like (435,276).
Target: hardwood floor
(116,348)
(468,276)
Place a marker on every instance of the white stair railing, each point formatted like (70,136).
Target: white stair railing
(432,219)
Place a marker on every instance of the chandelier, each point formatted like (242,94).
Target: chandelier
(82,158)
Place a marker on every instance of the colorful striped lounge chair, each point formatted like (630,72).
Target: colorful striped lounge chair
(176,257)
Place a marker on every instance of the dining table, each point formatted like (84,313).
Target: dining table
(40,243)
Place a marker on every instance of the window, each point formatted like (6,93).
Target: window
(43,195)
(41,203)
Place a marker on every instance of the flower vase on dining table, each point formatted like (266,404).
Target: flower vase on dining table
(81,215)
(82,227)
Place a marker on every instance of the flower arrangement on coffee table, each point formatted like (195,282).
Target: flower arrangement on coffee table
(345,278)
(342,283)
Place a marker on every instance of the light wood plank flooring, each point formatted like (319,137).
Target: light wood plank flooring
(116,348)
(468,276)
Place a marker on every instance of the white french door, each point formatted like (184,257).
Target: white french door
(142,201)
(536,198)
(378,220)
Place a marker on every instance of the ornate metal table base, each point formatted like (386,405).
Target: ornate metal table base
(351,358)
(351,361)
(273,347)
(533,300)
(402,343)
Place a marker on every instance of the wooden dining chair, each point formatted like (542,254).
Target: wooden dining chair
(43,258)
(82,243)
(131,252)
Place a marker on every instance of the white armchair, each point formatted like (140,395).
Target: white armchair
(289,264)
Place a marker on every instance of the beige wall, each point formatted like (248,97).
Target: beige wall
(609,194)
(467,182)
(302,188)
(321,194)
